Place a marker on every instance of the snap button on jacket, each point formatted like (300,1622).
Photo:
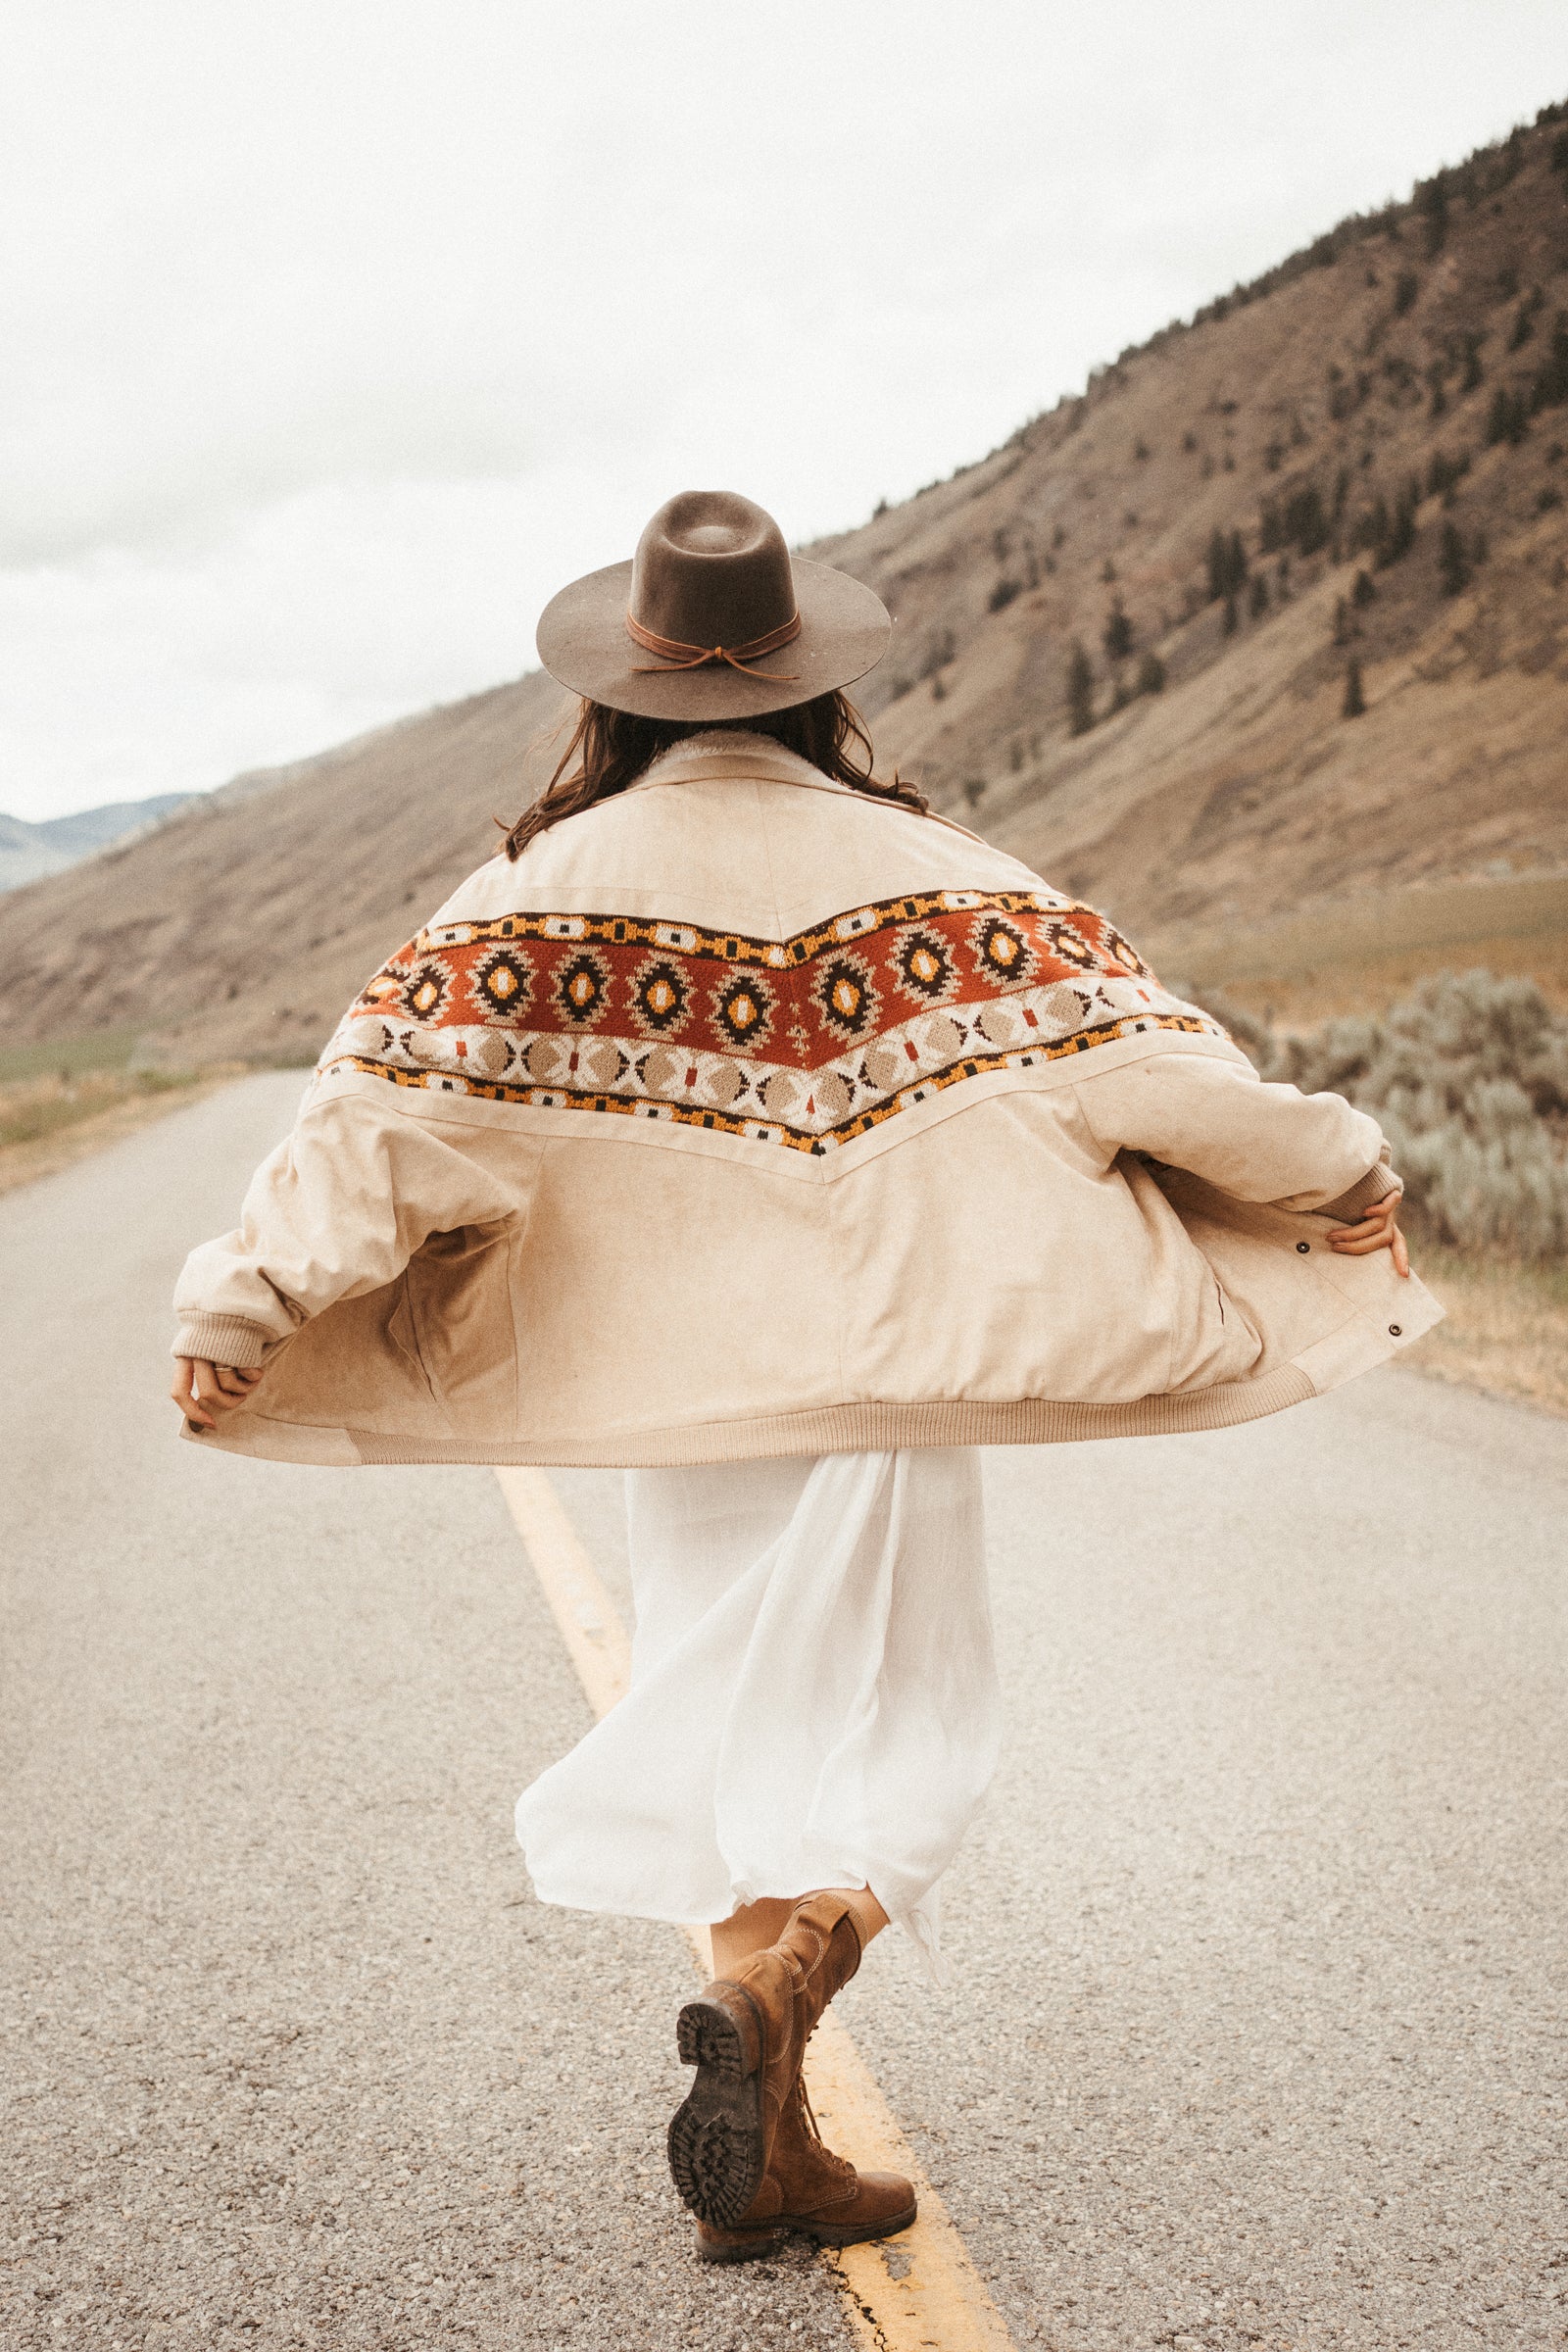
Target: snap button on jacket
(745,1115)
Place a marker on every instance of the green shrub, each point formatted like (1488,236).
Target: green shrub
(1468,1078)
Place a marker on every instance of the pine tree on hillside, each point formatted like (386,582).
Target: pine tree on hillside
(1226,565)
(1551,387)
(1354,704)
(1454,559)
(1117,635)
(1301,520)
(1080,691)
(1524,325)
(1401,536)
(1445,473)
(1432,201)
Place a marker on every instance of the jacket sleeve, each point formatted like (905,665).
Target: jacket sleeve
(337,1209)
(1256,1142)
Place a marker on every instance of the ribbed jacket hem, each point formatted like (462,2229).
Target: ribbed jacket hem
(872,1429)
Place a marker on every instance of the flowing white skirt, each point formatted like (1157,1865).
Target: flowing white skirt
(813,1698)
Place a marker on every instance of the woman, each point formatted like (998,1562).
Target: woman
(751,1127)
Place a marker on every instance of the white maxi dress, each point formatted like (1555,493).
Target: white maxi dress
(813,1698)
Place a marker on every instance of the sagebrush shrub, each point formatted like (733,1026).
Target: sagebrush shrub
(1468,1078)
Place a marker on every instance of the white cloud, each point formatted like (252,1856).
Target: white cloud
(338,338)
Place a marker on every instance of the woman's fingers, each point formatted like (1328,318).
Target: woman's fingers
(220,1387)
(184,1393)
(1372,1220)
(1374,1226)
(237,1379)
(1376,1231)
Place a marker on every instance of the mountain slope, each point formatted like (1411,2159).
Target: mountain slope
(245,923)
(1403,363)
(1359,460)
(29,851)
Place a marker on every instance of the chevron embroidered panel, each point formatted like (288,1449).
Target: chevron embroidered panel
(806,1042)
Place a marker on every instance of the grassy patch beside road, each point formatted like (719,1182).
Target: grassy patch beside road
(1507,1326)
(42,1108)
(51,1117)
(1361,955)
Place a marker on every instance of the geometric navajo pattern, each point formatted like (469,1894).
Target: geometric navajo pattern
(805,1042)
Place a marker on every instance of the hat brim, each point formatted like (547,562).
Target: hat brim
(583,643)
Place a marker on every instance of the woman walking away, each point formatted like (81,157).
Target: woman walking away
(748,1127)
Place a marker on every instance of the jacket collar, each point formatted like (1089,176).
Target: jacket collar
(733,753)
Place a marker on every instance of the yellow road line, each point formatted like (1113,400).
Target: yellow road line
(589,1620)
(919,2291)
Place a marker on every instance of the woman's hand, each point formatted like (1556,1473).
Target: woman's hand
(201,1388)
(1376,1231)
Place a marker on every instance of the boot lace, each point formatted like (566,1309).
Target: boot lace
(840,2164)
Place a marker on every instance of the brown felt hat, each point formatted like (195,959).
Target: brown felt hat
(713,619)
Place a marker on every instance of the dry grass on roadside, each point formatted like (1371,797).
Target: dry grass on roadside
(49,1120)
(1506,1329)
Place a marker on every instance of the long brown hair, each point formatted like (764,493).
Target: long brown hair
(613,747)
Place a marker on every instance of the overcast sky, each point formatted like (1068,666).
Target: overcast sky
(336,336)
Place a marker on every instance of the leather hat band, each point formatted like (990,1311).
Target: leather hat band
(673,655)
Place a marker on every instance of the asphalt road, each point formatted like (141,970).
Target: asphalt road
(1255,2035)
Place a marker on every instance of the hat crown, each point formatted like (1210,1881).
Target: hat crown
(712,569)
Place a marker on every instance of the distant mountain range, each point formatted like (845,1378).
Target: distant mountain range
(1261,644)
(28,852)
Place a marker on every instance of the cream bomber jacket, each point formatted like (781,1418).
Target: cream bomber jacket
(745,1115)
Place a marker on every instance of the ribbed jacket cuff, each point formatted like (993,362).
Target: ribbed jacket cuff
(1376,1185)
(224,1340)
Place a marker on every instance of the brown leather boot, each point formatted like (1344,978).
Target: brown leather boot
(746,2035)
(807,2188)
